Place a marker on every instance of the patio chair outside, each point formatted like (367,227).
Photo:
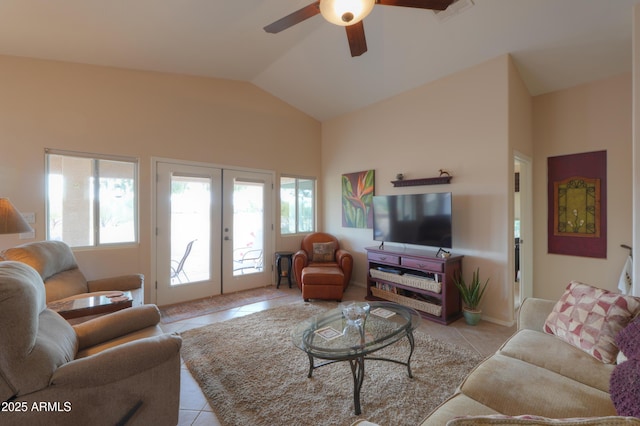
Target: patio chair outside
(245,259)
(177,267)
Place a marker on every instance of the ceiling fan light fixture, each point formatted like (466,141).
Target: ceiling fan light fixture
(346,12)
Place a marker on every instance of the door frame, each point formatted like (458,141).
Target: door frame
(153,279)
(526,225)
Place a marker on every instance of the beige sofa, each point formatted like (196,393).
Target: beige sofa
(117,369)
(533,373)
(62,277)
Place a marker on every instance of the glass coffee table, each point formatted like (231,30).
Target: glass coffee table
(329,336)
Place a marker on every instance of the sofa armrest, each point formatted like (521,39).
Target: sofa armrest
(116,324)
(533,313)
(345,260)
(121,283)
(118,363)
(300,261)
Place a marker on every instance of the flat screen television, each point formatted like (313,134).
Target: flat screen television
(420,219)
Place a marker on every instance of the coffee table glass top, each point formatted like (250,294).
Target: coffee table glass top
(330,336)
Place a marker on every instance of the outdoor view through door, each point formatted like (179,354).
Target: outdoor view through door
(248,208)
(190,228)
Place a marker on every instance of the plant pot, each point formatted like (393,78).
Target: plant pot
(472,317)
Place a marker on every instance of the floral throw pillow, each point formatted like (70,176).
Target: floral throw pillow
(589,318)
(323,252)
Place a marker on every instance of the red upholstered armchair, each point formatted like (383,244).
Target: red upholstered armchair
(322,269)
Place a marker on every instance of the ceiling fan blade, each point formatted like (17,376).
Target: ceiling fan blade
(294,18)
(357,40)
(420,4)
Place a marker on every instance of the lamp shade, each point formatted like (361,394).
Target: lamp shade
(11,221)
(345,12)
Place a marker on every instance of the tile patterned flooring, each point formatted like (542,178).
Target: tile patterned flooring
(485,338)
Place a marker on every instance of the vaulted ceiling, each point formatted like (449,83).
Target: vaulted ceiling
(555,43)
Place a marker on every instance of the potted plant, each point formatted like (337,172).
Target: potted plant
(471,294)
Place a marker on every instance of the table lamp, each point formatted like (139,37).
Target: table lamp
(11,221)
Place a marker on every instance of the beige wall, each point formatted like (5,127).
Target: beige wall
(472,123)
(520,114)
(469,123)
(45,104)
(590,117)
(458,123)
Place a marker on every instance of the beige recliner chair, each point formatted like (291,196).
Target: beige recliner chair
(63,280)
(117,369)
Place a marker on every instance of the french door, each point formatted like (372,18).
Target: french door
(246,230)
(188,221)
(213,231)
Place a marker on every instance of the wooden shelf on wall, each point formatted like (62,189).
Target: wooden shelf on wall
(440,180)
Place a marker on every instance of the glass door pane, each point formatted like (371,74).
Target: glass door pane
(248,210)
(190,229)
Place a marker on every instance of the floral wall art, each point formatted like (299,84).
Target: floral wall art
(357,199)
(577,191)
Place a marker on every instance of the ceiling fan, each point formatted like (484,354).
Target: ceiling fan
(349,14)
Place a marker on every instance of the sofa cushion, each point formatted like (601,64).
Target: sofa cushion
(511,386)
(319,275)
(66,284)
(628,340)
(551,353)
(46,257)
(453,407)
(537,420)
(324,252)
(625,388)
(55,263)
(590,318)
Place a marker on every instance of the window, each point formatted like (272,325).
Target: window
(91,200)
(297,205)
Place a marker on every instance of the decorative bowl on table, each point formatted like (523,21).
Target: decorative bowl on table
(356,313)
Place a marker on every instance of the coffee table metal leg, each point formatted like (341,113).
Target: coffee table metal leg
(310,365)
(412,344)
(357,370)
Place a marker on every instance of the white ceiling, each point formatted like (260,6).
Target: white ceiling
(555,43)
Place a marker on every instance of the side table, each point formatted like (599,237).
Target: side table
(286,255)
(93,304)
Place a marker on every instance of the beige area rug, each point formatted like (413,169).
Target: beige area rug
(253,375)
(210,305)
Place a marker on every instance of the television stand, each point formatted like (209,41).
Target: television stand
(416,278)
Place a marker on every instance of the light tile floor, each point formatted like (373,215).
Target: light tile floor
(484,338)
